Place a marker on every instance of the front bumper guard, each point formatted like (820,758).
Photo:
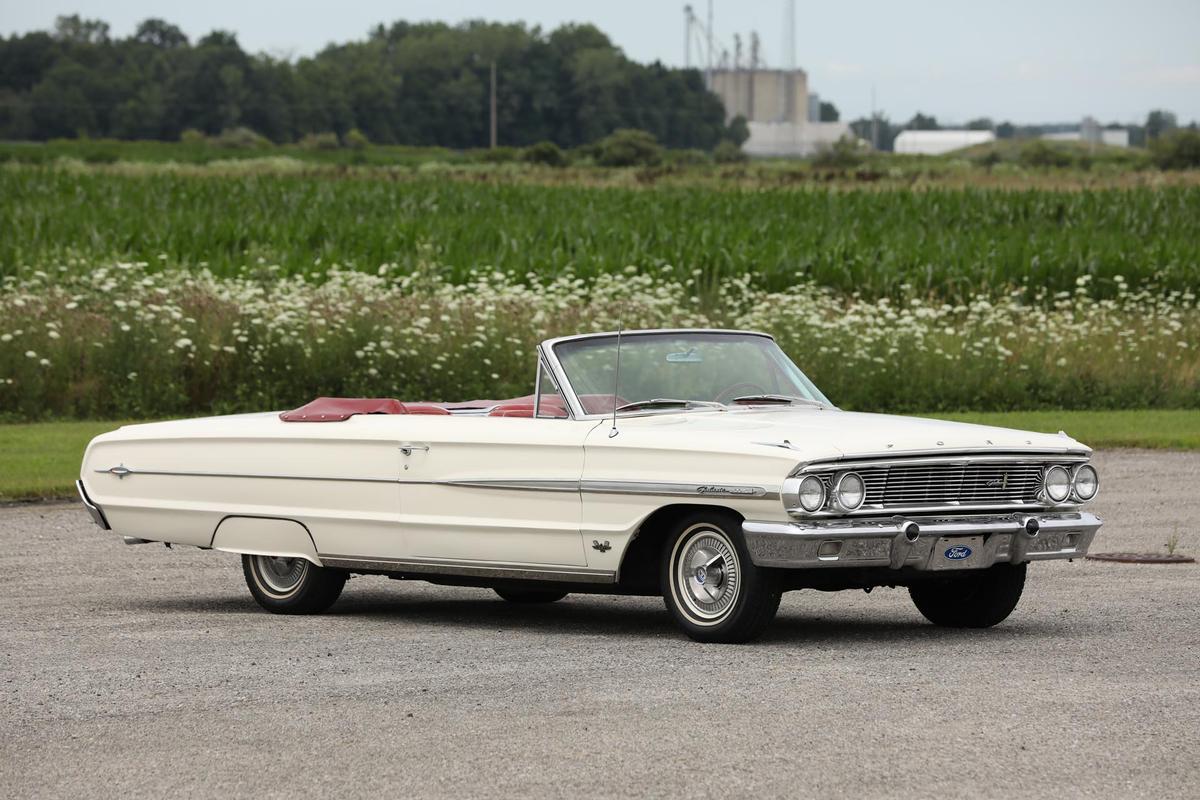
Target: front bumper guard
(914,541)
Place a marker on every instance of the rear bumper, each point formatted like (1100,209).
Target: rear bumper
(93,510)
(923,543)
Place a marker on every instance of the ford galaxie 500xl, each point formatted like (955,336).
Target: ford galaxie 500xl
(701,465)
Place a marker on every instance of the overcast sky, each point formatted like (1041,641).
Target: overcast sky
(1023,60)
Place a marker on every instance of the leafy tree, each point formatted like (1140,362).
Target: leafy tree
(981,124)
(1006,130)
(828,112)
(880,127)
(1159,122)
(1179,149)
(738,130)
(418,84)
(160,34)
(920,122)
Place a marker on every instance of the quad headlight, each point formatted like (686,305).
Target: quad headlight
(1056,484)
(812,493)
(849,491)
(1085,483)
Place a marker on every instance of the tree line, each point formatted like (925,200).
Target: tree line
(415,84)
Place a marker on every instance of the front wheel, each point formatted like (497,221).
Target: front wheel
(971,601)
(292,585)
(710,585)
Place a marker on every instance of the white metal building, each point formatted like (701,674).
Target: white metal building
(933,143)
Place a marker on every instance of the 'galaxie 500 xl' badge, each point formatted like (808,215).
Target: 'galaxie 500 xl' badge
(958,552)
(747,490)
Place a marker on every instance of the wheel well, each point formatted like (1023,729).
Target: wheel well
(640,564)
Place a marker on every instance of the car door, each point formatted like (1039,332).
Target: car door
(501,488)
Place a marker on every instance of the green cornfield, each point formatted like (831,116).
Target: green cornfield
(947,243)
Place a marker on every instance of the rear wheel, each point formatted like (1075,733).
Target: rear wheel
(292,585)
(971,601)
(710,585)
(529,595)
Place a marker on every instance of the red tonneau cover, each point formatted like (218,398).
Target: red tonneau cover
(340,409)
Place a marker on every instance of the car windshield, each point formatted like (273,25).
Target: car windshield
(683,370)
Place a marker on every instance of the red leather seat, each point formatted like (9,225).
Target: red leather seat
(551,407)
(340,409)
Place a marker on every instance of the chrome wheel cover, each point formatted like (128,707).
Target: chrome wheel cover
(706,576)
(278,575)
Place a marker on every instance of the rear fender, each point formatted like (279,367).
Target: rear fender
(265,536)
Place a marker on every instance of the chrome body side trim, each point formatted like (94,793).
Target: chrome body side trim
(595,487)
(679,489)
(910,542)
(189,474)
(93,510)
(482,569)
(518,485)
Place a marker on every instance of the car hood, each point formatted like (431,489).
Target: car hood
(830,433)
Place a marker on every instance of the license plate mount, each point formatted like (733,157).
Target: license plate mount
(957,552)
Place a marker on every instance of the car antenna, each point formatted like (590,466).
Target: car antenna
(616,382)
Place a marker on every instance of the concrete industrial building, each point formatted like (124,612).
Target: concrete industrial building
(778,109)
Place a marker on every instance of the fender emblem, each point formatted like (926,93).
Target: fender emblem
(603,547)
(748,490)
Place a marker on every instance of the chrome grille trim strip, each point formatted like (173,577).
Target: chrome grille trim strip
(954,482)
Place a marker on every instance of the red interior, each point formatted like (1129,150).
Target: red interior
(339,409)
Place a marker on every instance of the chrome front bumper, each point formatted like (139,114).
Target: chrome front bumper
(923,543)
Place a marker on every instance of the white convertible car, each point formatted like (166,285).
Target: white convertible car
(701,465)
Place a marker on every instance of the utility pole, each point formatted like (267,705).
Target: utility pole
(710,44)
(687,37)
(874,123)
(493,106)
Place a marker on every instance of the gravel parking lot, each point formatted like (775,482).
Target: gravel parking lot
(138,671)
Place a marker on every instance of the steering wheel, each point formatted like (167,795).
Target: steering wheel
(739,390)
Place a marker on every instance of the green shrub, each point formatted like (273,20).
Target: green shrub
(355,139)
(240,138)
(845,153)
(501,154)
(320,141)
(546,153)
(687,158)
(727,152)
(629,147)
(1177,150)
(1042,154)
(191,136)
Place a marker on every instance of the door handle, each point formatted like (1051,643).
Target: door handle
(407,448)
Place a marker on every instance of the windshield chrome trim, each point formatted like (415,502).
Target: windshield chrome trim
(546,350)
(574,407)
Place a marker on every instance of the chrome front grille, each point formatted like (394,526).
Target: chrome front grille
(920,485)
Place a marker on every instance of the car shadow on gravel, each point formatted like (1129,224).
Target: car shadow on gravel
(584,615)
(832,630)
